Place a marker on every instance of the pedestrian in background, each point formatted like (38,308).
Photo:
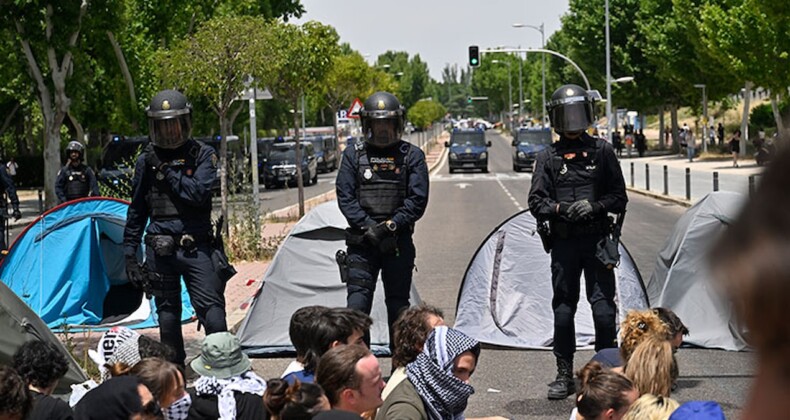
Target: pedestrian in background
(641,143)
(720,131)
(711,136)
(690,145)
(617,143)
(735,147)
(12,167)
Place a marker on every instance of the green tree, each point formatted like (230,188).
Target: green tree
(303,57)
(349,77)
(215,64)
(426,112)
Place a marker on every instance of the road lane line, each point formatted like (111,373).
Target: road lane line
(513,199)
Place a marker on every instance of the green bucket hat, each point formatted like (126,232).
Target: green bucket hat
(221,357)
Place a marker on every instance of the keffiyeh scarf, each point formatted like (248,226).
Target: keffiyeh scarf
(179,410)
(247,382)
(444,395)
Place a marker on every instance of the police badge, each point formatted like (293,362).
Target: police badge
(368,174)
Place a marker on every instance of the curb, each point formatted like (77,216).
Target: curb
(662,197)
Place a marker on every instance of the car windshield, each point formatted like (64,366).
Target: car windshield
(283,155)
(534,137)
(475,138)
(318,144)
(119,154)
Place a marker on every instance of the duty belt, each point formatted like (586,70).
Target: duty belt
(565,230)
(185,240)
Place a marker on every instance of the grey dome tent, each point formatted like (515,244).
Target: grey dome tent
(302,273)
(505,297)
(682,280)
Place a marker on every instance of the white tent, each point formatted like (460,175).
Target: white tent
(303,273)
(505,297)
(682,280)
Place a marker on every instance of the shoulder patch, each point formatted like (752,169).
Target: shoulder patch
(404,147)
(359,145)
(214,160)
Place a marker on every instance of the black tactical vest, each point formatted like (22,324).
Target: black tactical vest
(576,171)
(383,179)
(76,182)
(163,204)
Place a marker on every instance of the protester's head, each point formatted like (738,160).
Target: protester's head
(441,373)
(675,327)
(351,377)
(603,394)
(15,399)
(41,365)
(221,357)
(637,326)
(337,326)
(121,398)
(131,351)
(300,401)
(302,328)
(410,331)
(650,366)
(651,407)
(166,383)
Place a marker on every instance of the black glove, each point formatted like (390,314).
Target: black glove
(17,214)
(375,234)
(151,159)
(580,210)
(134,272)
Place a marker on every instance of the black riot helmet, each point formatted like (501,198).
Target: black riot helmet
(570,109)
(75,146)
(169,119)
(383,119)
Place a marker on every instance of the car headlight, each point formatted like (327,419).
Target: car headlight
(522,155)
(320,159)
(453,156)
(483,155)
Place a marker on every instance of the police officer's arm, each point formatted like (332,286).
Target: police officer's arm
(417,197)
(613,198)
(94,185)
(137,215)
(60,185)
(540,201)
(195,189)
(346,186)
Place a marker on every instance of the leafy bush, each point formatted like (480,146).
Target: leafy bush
(424,113)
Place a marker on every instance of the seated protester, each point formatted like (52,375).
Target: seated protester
(166,383)
(698,410)
(130,352)
(42,365)
(227,387)
(650,367)
(603,394)
(351,378)
(337,326)
(651,407)
(410,331)
(635,327)
(300,330)
(675,332)
(337,415)
(300,401)
(16,400)
(108,345)
(437,384)
(121,398)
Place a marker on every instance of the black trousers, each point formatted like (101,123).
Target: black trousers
(569,258)
(365,263)
(206,292)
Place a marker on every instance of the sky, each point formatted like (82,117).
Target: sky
(440,31)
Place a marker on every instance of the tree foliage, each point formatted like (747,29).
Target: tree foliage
(424,113)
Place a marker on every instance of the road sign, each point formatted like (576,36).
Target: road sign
(356,106)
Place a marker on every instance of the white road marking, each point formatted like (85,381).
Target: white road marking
(463,185)
(513,199)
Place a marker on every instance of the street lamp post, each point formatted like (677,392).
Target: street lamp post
(704,116)
(543,63)
(509,90)
(608,79)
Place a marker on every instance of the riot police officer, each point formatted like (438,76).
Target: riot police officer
(75,180)
(382,190)
(577,182)
(172,189)
(7,192)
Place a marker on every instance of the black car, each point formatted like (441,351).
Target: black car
(468,149)
(527,143)
(118,158)
(280,166)
(326,153)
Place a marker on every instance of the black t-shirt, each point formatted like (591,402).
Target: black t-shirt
(46,407)
(248,407)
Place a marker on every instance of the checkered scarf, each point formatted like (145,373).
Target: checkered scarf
(179,409)
(127,352)
(247,382)
(444,395)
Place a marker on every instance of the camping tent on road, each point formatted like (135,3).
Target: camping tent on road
(505,297)
(304,273)
(68,267)
(682,281)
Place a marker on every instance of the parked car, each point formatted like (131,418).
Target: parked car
(468,149)
(280,166)
(118,158)
(326,154)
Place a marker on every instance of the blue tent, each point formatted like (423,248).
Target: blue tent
(68,267)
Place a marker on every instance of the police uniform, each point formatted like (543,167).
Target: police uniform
(8,192)
(576,183)
(75,182)
(172,192)
(382,190)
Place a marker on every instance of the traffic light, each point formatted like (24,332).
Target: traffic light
(469,99)
(474,56)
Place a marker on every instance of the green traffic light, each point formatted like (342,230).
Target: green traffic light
(474,61)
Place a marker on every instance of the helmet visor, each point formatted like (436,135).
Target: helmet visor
(382,132)
(573,117)
(169,133)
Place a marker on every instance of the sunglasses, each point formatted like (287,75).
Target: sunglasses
(152,409)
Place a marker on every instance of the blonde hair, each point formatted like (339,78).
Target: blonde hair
(650,367)
(636,326)
(651,407)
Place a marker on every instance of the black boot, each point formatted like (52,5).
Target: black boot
(563,385)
